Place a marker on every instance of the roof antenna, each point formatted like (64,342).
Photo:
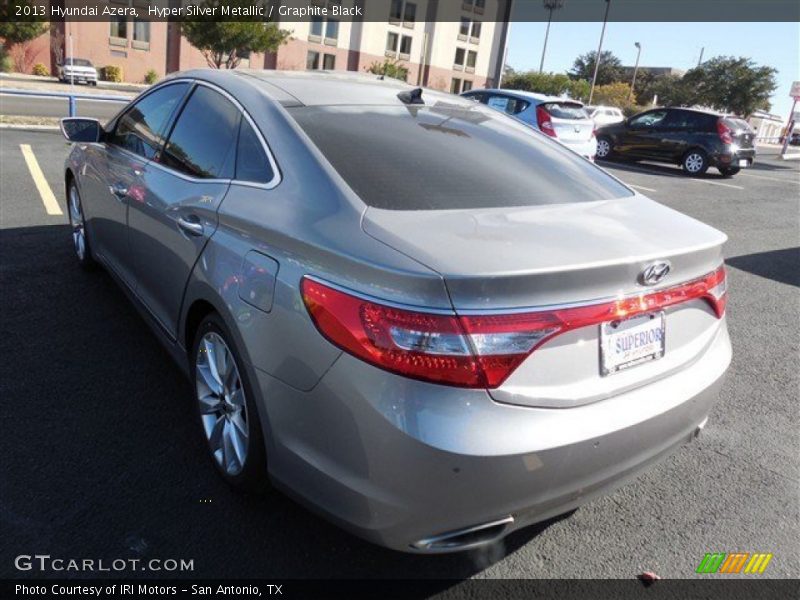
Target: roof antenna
(411,96)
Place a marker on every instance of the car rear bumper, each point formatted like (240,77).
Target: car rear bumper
(731,157)
(586,149)
(402,462)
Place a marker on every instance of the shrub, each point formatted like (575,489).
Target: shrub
(389,68)
(40,70)
(111,73)
(6,62)
(552,84)
(151,77)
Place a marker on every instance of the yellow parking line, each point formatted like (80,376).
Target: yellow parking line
(48,199)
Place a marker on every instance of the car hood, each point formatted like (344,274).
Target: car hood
(559,253)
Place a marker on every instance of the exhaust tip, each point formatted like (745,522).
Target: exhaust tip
(463,539)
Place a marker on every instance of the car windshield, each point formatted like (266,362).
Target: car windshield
(565,110)
(78,62)
(449,156)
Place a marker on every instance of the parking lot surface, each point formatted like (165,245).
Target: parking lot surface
(101,458)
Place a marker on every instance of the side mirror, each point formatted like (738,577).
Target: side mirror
(77,129)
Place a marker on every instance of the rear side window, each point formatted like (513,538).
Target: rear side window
(141,129)
(252,163)
(690,121)
(565,110)
(448,156)
(203,141)
(508,105)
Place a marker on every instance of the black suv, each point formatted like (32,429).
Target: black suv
(694,139)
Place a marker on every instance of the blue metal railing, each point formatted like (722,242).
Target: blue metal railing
(70,97)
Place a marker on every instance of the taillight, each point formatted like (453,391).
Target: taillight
(473,350)
(724,132)
(544,122)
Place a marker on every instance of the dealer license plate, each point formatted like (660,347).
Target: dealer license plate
(630,342)
(743,162)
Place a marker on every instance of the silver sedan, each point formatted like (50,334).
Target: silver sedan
(423,319)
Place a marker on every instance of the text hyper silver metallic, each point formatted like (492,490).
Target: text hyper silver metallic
(417,315)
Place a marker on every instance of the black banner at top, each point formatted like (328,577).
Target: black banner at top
(400,11)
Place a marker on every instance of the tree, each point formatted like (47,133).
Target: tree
(670,90)
(224,43)
(553,84)
(16,35)
(612,94)
(610,70)
(729,84)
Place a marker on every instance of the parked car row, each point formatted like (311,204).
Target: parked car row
(692,138)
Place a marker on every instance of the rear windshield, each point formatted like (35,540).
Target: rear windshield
(79,62)
(565,110)
(447,156)
(737,124)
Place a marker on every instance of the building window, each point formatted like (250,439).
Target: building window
(329,62)
(476,31)
(312,60)
(476,6)
(141,34)
(391,43)
(467,86)
(410,14)
(396,11)
(458,62)
(405,46)
(472,58)
(332,30)
(455,86)
(118,28)
(403,11)
(316,27)
(463,31)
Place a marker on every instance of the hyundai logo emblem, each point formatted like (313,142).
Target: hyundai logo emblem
(654,272)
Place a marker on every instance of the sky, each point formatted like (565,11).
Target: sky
(675,45)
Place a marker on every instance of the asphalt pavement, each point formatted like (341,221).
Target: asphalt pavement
(101,459)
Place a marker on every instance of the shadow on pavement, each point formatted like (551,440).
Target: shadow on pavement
(101,457)
(780,265)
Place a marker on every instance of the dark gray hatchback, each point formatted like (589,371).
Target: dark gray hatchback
(694,139)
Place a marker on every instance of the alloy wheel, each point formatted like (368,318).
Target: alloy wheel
(221,399)
(77,223)
(603,148)
(694,162)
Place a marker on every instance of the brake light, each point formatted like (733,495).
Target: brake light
(725,132)
(544,122)
(472,350)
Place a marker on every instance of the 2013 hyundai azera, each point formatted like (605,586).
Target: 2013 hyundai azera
(418,316)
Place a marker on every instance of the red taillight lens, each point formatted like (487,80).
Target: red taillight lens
(544,122)
(725,132)
(475,350)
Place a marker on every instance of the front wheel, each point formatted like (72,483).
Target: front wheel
(603,147)
(695,162)
(729,171)
(80,237)
(226,407)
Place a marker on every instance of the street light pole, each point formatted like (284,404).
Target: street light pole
(635,69)
(599,49)
(550,5)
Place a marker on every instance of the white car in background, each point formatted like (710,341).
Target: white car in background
(560,118)
(79,70)
(604,115)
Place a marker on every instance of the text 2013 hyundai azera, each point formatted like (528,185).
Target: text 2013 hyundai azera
(417,315)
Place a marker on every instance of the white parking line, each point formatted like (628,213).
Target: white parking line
(778,179)
(736,187)
(640,187)
(48,199)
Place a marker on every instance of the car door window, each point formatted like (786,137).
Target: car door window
(252,163)
(511,106)
(203,141)
(649,119)
(141,129)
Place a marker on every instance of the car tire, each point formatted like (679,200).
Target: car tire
(226,408)
(94,83)
(695,162)
(604,147)
(77,222)
(729,171)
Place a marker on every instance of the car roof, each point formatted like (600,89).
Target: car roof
(527,95)
(318,88)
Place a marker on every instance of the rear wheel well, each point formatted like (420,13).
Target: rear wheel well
(198,311)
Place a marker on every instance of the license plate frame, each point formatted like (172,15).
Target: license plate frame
(613,360)
(744,163)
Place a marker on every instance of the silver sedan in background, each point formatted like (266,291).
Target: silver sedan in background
(417,316)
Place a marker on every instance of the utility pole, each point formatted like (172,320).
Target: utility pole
(700,60)
(635,69)
(599,50)
(550,5)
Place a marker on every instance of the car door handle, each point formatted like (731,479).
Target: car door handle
(190,227)
(119,190)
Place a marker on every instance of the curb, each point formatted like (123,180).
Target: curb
(22,126)
(790,156)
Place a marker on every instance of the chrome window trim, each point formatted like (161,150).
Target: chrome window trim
(276,173)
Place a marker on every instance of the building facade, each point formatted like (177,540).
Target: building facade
(447,55)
